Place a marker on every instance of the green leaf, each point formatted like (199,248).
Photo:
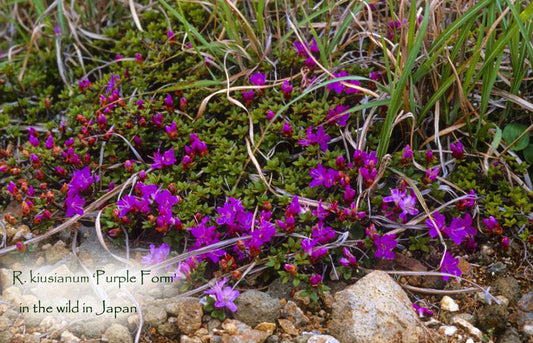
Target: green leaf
(528,153)
(295,282)
(513,131)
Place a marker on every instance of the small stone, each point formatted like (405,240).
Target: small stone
(56,252)
(187,339)
(68,337)
(6,278)
(497,268)
(133,322)
(213,324)
(448,330)
(487,250)
(470,340)
(117,333)
(266,327)
(528,328)
(509,336)
(322,339)
(5,323)
(6,337)
(155,315)
(526,302)
(170,328)
(508,287)
(288,327)
(189,314)
(255,307)
(468,327)
(492,316)
(466,316)
(272,339)
(292,312)
(448,304)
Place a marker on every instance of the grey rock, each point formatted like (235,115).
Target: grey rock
(272,339)
(375,309)
(4,323)
(302,339)
(155,315)
(280,290)
(68,337)
(322,339)
(170,328)
(88,329)
(213,324)
(117,333)
(187,339)
(255,307)
(292,312)
(492,316)
(188,311)
(497,268)
(508,287)
(466,316)
(56,252)
(526,302)
(6,337)
(509,336)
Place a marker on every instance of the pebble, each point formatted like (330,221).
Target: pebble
(68,337)
(288,327)
(468,327)
(497,268)
(448,330)
(117,333)
(155,315)
(266,327)
(448,304)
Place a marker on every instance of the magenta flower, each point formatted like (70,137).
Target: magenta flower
(384,246)
(505,243)
(457,150)
(422,311)
(431,175)
(286,89)
(349,194)
(49,144)
(12,188)
(308,246)
(171,35)
(138,58)
(460,228)
(322,234)
(157,119)
(167,159)
(169,102)
(74,205)
(315,279)
(248,96)
(323,177)
(258,79)
(429,156)
(286,130)
(469,202)
(450,266)
(156,255)
(349,259)
(338,87)
(206,235)
(320,138)
(224,296)
(34,140)
(165,200)
(407,154)
(440,220)
(270,114)
(492,224)
(338,115)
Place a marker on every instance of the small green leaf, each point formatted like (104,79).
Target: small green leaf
(528,153)
(511,132)
(295,282)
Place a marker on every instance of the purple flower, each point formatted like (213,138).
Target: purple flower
(450,266)
(74,205)
(308,246)
(349,259)
(323,177)
(165,200)
(294,208)
(206,235)
(12,188)
(286,130)
(407,154)
(49,144)
(492,224)
(338,115)
(182,272)
(384,246)
(429,156)
(270,115)
(460,228)
(224,296)
(258,79)
(457,150)
(156,255)
(171,35)
(375,75)
(34,140)
(440,220)
(69,142)
(505,243)
(138,58)
(431,175)
(248,96)
(167,159)
(169,102)
(349,194)
(422,311)
(320,138)
(157,119)
(300,49)
(126,204)
(395,197)
(338,87)
(408,206)
(286,89)
(469,202)
(322,234)
(172,129)
(315,279)
(81,180)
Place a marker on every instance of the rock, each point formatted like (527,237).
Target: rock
(89,329)
(448,304)
(188,311)
(509,336)
(170,328)
(487,250)
(525,303)
(56,252)
(305,302)
(68,337)
(154,315)
(187,339)
(466,316)
(375,309)
(5,323)
(292,312)
(288,327)
(508,287)
(280,290)
(322,339)
(53,326)
(117,333)
(255,307)
(497,268)
(6,278)
(468,327)
(213,324)
(448,330)
(269,328)
(492,316)
(6,337)
(238,332)
(272,339)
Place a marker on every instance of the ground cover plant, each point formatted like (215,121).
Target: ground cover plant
(241,142)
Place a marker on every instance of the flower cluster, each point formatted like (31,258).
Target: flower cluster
(303,50)
(81,180)
(339,88)
(457,231)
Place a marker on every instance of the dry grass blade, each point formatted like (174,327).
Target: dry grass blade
(134,15)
